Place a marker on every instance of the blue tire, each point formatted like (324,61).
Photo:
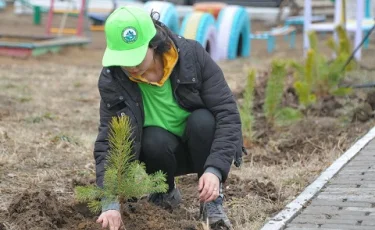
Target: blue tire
(168,13)
(2,4)
(233,30)
(201,26)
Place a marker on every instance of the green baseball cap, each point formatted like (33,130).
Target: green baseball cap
(128,31)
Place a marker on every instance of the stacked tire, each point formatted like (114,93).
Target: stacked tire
(223,30)
(233,30)
(167,12)
(201,27)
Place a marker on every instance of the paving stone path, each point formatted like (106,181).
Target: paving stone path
(347,201)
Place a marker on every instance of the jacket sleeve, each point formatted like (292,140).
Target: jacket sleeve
(101,144)
(100,153)
(219,99)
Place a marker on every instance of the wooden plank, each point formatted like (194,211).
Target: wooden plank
(17,45)
(53,42)
(70,31)
(44,50)
(31,37)
(63,41)
(15,52)
(97,28)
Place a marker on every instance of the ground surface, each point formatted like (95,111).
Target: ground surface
(48,124)
(346,202)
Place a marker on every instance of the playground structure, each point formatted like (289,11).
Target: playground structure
(224,30)
(62,30)
(359,23)
(202,22)
(26,46)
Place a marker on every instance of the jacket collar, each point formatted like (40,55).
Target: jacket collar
(187,71)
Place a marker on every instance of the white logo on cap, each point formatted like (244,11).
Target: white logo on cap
(129,35)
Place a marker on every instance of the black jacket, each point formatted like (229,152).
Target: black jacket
(197,82)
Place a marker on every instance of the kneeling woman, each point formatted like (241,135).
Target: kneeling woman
(183,114)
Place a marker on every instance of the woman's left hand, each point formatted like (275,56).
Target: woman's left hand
(208,187)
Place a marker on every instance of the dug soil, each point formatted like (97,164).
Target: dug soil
(37,209)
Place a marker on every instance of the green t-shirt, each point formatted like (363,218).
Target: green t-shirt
(161,109)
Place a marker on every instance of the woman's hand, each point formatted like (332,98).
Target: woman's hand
(111,219)
(208,187)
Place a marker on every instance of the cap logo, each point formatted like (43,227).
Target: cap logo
(129,35)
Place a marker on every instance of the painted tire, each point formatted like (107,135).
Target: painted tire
(213,8)
(2,4)
(168,13)
(201,27)
(233,30)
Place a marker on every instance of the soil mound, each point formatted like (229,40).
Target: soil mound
(37,210)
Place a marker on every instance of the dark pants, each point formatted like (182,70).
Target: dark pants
(162,150)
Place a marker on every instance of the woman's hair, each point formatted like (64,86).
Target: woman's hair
(161,41)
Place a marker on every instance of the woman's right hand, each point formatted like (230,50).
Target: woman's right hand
(111,219)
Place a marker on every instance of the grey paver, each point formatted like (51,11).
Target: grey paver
(363,184)
(351,193)
(357,177)
(340,203)
(347,202)
(368,198)
(309,220)
(349,190)
(369,222)
(336,217)
(317,228)
(334,211)
(329,226)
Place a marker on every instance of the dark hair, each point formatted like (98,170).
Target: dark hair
(161,41)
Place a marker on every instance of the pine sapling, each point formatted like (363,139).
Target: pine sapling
(124,178)
(274,90)
(246,113)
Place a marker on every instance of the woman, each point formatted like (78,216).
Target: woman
(183,114)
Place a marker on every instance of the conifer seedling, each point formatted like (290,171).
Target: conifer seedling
(125,178)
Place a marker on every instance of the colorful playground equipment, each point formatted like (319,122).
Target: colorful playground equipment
(223,30)
(36,45)
(357,24)
(2,4)
(201,27)
(62,30)
(26,46)
(233,32)
(289,33)
(368,20)
(167,13)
